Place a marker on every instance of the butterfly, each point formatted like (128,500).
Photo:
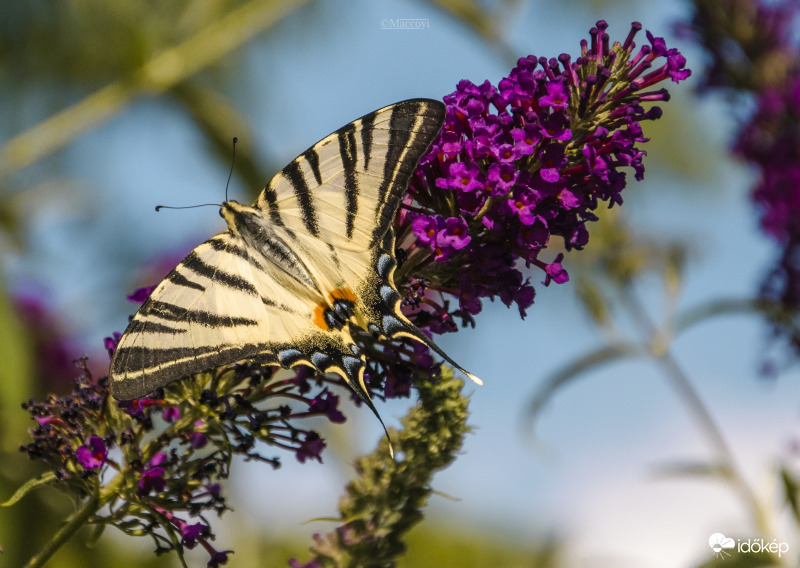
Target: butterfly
(300,272)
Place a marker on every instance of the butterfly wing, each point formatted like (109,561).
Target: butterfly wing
(216,307)
(346,188)
(317,236)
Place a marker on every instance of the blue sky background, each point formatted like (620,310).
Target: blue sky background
(589,475)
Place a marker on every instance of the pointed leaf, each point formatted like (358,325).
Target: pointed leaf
(30,485)
(572,371)
(694,469)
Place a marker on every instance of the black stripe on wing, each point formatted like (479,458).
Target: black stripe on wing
(294,174)
(142,326)
(412,127)
(199,266)
(349,155)
(179,279)
(312,158)
(173,312)
(367,127)
(270,196)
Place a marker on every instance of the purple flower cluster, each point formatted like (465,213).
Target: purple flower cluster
(765,63)
(519,163)
(67,435)
(771,141)
(171,477)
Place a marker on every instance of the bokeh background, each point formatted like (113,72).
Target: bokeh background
(108,109)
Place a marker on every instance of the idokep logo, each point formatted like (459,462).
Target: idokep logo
(720,544)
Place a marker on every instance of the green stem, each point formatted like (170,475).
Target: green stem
(687,392)
(69,528)
(75,521)
(679,380)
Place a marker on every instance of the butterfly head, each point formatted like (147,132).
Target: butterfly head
(235,214)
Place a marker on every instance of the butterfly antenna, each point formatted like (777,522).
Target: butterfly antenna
(160,207)
(233,161)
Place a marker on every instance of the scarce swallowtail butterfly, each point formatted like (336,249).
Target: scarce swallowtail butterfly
(296,275)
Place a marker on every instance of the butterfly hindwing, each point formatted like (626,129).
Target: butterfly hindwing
(293,274)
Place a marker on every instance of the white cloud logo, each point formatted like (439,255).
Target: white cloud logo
(718,543)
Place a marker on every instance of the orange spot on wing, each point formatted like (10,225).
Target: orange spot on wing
(319,317)
(343,294)
(319,310)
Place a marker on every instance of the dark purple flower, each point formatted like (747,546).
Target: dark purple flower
(555,272)
(506,153)
(92,455)
(152,479)
(522,204)
(526,138)
(327,403)
(311,448)
(526,179)
(555,126)
(171,413)
(191,532)
(451,144)
(455,234)
(112,342)
(535,235)
(301,378)
(469,299)
(501,178)
(134,407)
(141,294)
(568,199)
(425,228)
(753,51)
(198,438)
(557,96)
(471,202)
(218,558)
(553,160)
(524,299)
(398,382)
(463,177)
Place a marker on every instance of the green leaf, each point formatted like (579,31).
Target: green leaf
(728,306)
(695,469)
(792,493)
(566,375)
(45,479)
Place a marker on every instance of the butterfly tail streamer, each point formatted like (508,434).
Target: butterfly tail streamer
(411,331)
(363,395)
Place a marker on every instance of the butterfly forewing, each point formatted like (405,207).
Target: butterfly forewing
(346,188)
